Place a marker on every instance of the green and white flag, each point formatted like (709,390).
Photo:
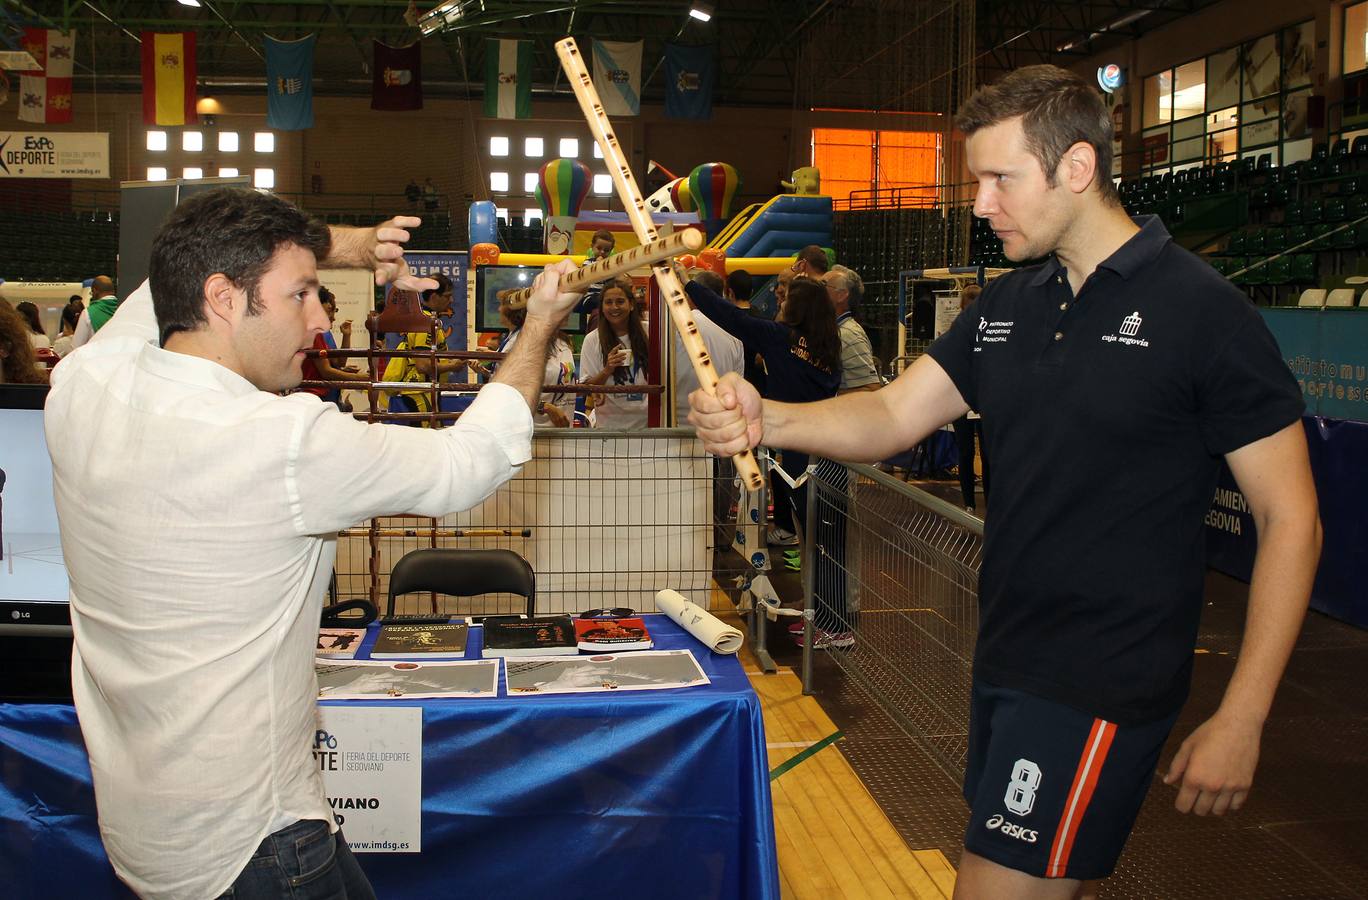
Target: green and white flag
(508,79)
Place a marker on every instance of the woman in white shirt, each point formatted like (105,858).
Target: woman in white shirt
(38,338)
(621,330)
(556,410)
(71,315)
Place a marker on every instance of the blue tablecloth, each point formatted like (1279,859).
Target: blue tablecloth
(651,793)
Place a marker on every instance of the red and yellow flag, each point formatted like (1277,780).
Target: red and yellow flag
(168,72)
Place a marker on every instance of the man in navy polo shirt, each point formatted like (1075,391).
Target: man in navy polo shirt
(1113,378)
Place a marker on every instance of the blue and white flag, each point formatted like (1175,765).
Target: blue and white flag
(689,76)
(289,83)
(617,76)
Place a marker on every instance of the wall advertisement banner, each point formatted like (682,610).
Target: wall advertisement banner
(54,154)
(1327,351)
(371,758)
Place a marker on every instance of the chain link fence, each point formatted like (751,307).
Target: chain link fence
(605,518)
(898,569)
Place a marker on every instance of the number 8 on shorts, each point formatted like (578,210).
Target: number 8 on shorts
(1021,790)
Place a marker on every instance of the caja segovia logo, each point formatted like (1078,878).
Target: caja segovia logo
(1127,333)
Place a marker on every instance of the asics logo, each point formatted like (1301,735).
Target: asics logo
(998,823)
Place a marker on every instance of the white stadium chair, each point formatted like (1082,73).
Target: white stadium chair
(1313,297)
(1340,297)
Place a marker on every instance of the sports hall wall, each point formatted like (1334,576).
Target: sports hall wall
(353,149)
(1214,28)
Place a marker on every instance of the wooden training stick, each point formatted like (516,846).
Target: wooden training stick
(645,229)
(686,241)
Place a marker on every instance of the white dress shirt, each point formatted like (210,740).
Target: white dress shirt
(198,519)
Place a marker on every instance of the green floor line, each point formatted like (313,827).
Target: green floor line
(804,755)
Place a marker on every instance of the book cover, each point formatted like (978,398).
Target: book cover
(433,641)
(540,636)
(612,635)
(339,643)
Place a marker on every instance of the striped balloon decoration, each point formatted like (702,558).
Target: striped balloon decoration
(680,198)
(562,187)
(714,186)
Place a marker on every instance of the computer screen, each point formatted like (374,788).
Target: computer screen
(33,578)
(490,280)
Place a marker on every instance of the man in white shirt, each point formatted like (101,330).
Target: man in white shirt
(199,512)
(724,350)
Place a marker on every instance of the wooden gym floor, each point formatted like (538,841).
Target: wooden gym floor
(834,841)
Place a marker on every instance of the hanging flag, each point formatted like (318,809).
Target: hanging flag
(397,77)
(168,73)
(617,76)
(689,76)
(508,80)
(289,83)
(45,92)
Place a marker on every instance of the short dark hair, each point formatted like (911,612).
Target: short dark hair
(709,279)
(816,258)
(326,296)
(443,285)
(232,231)
(741,284)
(1057,108)
(604,234)
(71,313)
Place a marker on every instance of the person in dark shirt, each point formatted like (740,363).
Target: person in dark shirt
(802,353)
(1113,379)
(740,288)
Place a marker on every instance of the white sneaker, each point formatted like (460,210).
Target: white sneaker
(778,537)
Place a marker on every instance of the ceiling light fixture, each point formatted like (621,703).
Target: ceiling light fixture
(194,3)
(701,11)
(442,16)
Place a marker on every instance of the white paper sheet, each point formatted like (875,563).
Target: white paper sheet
(712,631)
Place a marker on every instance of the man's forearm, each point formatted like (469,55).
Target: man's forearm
(1279,590)
(525,365)
(854,427)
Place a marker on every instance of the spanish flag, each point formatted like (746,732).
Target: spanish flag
(168,73)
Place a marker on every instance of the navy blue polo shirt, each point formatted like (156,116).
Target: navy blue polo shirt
(1106,416)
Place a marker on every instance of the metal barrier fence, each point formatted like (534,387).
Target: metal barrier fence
(606,518)
(898,568)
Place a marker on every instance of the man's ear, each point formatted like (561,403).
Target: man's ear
(1079,167)
(223,300)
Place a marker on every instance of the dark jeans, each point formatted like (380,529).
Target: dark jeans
(965,431)
(302,861)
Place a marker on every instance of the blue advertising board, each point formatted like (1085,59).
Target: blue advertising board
(454,264)
(1327,351)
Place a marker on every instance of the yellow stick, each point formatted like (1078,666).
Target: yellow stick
(632,202)
(688,240)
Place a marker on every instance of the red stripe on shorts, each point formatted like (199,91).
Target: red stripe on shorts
(1080,795)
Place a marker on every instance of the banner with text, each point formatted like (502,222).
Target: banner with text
(371,758)
(56,154)
(1327,351)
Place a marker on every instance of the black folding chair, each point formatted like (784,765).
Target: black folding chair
(463,573)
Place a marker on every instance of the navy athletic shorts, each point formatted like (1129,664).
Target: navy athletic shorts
(1053,792)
